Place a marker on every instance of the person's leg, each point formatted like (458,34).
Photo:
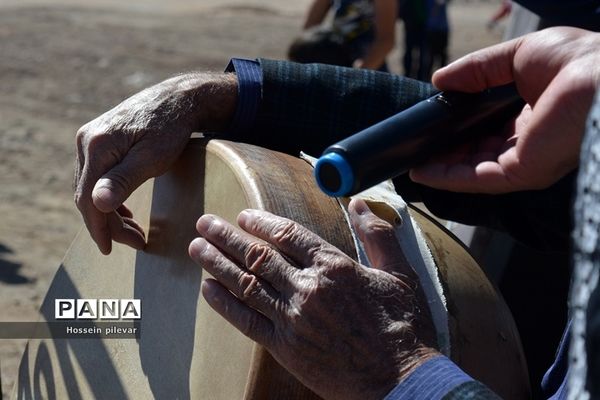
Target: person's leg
(427,54)
(444,39)
(407,60)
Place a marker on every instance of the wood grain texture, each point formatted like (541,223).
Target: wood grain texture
(484,340)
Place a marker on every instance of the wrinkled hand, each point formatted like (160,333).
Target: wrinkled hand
(345,331)
(557,72)
(139,139)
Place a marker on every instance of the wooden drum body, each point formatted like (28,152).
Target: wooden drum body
(188,351)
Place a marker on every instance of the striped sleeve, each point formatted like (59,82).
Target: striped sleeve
(439,379)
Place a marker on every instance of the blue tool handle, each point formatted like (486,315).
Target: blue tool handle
(393,146)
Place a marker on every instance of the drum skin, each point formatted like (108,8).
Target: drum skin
(186,350)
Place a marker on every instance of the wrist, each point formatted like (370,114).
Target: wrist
(414,360)
(211,99)
(407,363)
(219,95)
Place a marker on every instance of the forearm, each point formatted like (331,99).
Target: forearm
(209,98)
(201,101)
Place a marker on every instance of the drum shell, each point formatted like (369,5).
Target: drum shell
(188,351)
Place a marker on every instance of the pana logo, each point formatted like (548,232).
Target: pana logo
(97,309)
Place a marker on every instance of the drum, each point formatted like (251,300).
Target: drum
(185,349)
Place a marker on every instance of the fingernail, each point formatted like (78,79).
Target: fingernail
(209,291)
(198,247)
(105,250)
(204,223)
(361,207)
(104,198)
(244,217)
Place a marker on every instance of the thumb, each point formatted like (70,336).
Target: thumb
(378,237)
(115,186)
(486,68)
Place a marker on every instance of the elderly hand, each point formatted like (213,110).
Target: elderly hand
(139,139)
(557,72)
(345,331)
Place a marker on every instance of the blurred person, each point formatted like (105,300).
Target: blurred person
(436,37)
(361,34)
(414,18)
(426,33)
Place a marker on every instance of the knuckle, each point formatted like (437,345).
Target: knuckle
(321,283)
(379,229)
(286,233)
(316,291)
(78,198)
(249,287)
(328,260)
(257,256)
(321,257)
(317,254)
(94,140)
(91,138)
(337,270)
(81,133)
(480,62)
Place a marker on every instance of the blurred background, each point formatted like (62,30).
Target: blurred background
(63,62)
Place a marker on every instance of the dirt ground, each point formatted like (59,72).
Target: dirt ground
(64,62)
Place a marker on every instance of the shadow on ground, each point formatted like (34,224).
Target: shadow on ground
(9,270)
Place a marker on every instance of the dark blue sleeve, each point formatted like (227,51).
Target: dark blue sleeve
(249,76)
(579,13)
(290,107)
(310,106)
(437,379)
